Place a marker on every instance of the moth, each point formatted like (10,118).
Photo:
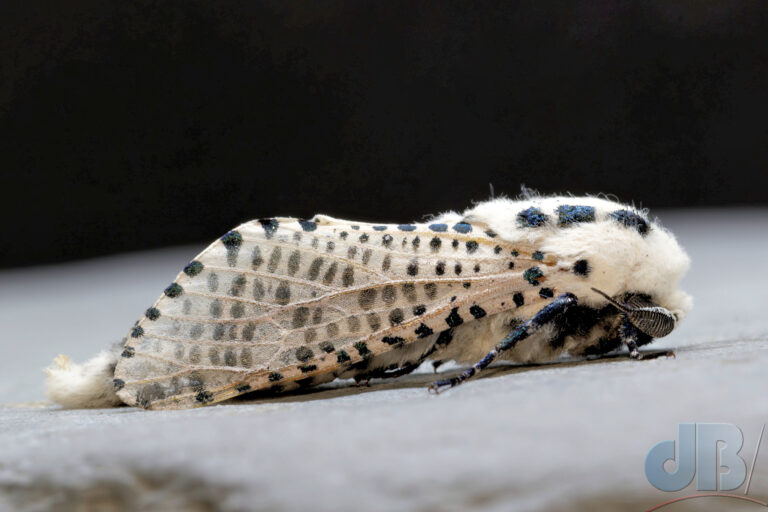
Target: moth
(284,303)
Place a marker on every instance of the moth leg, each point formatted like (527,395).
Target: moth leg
(404,370)
(436,365)
(363,381)
(391,373)
(629,334)
(547,314)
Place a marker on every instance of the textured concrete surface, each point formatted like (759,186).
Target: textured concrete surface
(565,436)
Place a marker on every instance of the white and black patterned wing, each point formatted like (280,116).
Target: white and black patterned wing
(277,301)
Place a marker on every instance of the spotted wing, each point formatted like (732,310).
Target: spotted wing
(280,300)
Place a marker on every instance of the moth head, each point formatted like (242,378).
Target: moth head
(649,317)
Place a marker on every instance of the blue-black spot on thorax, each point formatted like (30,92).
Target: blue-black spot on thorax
(531,218)
(379,228)
(439,228)
(406,227)
(462,227)
(568,214)
(631,220)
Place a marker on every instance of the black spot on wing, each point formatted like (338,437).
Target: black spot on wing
(238,285)
(270,226)
(362,348)
(173,290)
(308,225)
(454,319)
(409,291)
(348,276)
(366,298)
(396,316)
(374,322)
(396,341)
(300,317)
(274,259)
(232,241)
(304,353)
(193,268)
(422,331)
(293,262)
(477,311)
(283,293)
(532,275)
(330,274)
(388,294)
(256,258)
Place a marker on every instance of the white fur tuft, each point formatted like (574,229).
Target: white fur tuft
(87,385)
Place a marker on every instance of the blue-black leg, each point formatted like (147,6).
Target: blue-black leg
(547,314)
(629,334)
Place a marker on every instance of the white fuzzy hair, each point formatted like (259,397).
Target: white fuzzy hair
(87,385)
(619,258)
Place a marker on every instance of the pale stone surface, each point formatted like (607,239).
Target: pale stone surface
(563,437)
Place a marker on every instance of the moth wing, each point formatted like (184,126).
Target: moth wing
(277,301)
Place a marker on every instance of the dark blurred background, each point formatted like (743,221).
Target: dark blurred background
(131,125)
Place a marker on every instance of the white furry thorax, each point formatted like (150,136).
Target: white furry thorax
(620,258)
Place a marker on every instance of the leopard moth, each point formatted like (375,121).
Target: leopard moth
(283,303)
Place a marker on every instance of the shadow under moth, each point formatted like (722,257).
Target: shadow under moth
(283,303)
